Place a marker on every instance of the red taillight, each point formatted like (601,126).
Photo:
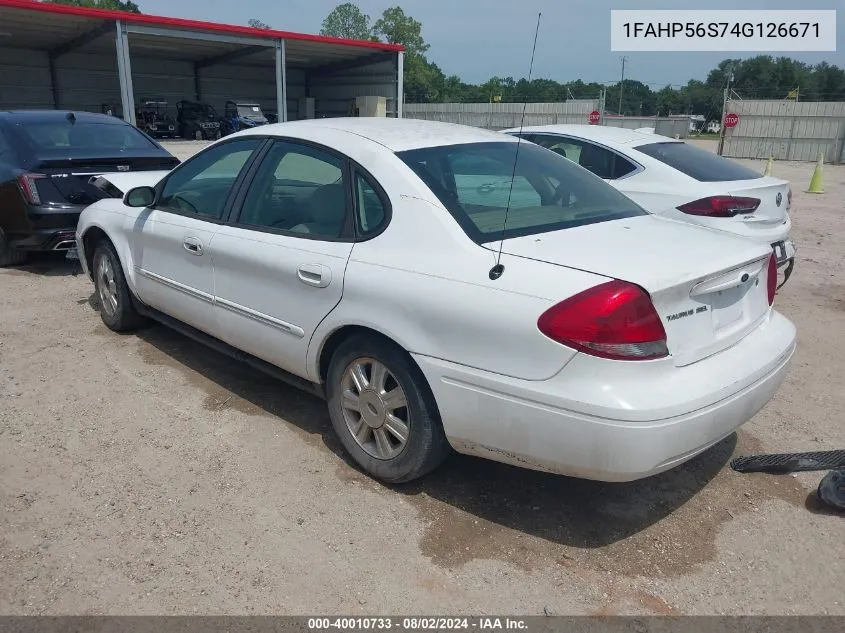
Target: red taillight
(613,320)
(720,206)
(28,187)
(772,279)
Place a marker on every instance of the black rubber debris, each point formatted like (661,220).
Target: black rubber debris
(832,489)
(780,463)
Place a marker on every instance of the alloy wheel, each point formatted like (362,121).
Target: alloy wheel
(375,408)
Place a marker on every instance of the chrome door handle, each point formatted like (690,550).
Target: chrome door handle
(315,275)
(192,245)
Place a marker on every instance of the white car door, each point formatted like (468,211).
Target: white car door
(279,265)
(172,242)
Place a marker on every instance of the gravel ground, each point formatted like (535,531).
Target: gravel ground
(144,474)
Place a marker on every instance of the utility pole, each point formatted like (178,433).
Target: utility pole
(724,107)
(624,59)
(602,99)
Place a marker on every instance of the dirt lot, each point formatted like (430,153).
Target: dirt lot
(143,474)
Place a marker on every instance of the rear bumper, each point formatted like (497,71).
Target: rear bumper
(45,228)
(610,420)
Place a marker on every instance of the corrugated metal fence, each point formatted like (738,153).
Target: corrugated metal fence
(665,126)
(787,130)
(500,116)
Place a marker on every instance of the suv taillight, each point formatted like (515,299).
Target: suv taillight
(28,187)
(720,206)
(614,320)
(772,279)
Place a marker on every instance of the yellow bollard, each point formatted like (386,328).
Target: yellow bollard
(817,182)
(768,170)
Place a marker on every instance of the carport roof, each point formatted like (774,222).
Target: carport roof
(59,28)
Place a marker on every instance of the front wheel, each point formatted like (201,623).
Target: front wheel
(116,307)
(383,410)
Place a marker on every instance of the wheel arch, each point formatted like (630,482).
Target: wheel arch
(91,235)
(319,365)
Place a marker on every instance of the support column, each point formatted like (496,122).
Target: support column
(197,84)
(54,81)
(124,73)
(400,83)
(281,82)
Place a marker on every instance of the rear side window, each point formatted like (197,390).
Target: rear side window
(370,207)
(66,136)
(493,194)
(697,163)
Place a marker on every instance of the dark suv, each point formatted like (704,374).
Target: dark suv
(47,161)
(197,120)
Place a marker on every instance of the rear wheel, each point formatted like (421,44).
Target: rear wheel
(10,256)
(383,410)
(116,307)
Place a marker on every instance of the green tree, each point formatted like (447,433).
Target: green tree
(398,28)
(830,82)
(637,99)
(347,21)
(258,24)
(115,5)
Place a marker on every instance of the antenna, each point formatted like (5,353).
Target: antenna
(498,269)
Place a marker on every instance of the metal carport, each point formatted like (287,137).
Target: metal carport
(67,57)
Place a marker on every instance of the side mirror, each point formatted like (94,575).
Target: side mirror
(140,197)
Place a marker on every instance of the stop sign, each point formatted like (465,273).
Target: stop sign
(731,119)
(594,117)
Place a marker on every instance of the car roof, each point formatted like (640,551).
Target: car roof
(598,133)
(397,135)
(46,116)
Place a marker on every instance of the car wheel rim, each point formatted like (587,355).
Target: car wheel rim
(375,408)
(106,286)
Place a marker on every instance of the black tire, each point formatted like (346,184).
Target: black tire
(426,446)
(10,256)
(123,316)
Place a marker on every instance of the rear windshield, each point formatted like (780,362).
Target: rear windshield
(63,135)
(549,192)
(697,163)
(250,111)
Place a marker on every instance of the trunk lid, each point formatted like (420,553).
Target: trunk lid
(773,194)
(709,288)
(119,183)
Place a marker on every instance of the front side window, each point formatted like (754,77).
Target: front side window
(201,185)
(298,189)
(549,193)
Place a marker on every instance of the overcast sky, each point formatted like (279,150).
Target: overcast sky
(477,39)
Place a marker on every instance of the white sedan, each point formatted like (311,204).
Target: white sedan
(678,180)
(382,263)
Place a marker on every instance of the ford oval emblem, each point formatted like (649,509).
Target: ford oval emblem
(744,277)
(778,198)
